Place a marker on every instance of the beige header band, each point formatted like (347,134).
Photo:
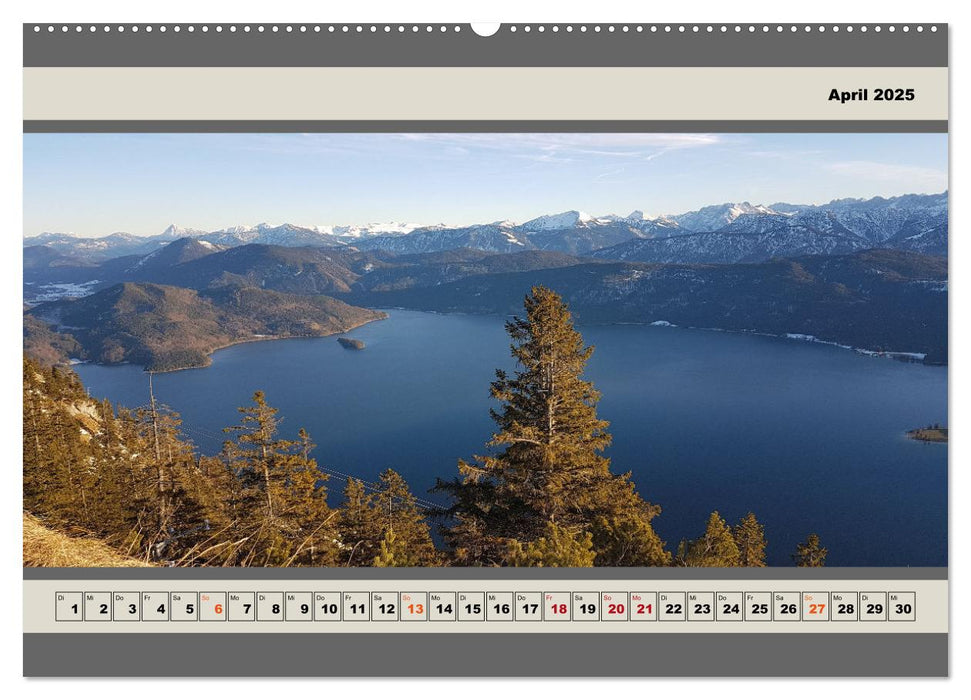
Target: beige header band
(485,93)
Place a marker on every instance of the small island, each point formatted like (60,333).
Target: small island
(351,343)
(932,433)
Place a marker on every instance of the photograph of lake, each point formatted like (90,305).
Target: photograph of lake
(799,433)
(748,369)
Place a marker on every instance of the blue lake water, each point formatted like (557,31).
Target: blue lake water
(809,437)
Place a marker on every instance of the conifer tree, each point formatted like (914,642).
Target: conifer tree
(208,515)
(393,553)
(385,524)
(57,449)
(621,528)
(558,547)
(41,477)
(132,480)
(283,509)
(118,503)
(406,519)
(714,549)
(360,526)
(547,464)
(165,459)
(750,537)
(810,552)
(75,481)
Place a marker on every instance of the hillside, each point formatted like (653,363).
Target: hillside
(876,300)
(44,546)
(47,345)
(167,328)
(293,270)
(764,238)
(434,269)
(106,485)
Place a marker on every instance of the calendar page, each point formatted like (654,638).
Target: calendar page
(485,350)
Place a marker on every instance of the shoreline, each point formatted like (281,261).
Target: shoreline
(916,358)
(899,356)
(242,341)
(906,357)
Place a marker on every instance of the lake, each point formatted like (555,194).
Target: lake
(809,437)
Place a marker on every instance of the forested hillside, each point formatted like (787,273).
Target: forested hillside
(541,493)
(167,328)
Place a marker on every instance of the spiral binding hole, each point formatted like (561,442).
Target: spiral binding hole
(525,28)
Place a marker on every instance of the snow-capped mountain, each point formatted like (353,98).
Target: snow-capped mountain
(501,237)
(374,229)
(717,216)
(880,220)
(98,249)
(174,232)
(747,233)
(634,217)
(727,247)
(557,222)
(729,232)
(284,234)
(572,232)
(181,250)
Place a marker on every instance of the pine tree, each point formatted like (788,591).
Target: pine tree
(283,512)
(360,526)
(407,520)
(118,502)
(41,477)
(393,552)
(166,464)
(549,465)
(385,525)
(257,455)
(621,528)
(132,480)
(810,552)
(558,547)
(208,515)
(387,556)
(715,548)
(59,469)
(750,538)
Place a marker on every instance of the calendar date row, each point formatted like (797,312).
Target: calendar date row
(472,606)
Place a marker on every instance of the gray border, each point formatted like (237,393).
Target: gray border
(218,45)
(495,654)
(790,573)
(481,125)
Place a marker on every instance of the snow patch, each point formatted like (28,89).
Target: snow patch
(553,222)
(53,292)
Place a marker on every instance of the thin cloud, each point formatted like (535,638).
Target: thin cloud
(910,175)
(610,175)
(786,154)
(547,147)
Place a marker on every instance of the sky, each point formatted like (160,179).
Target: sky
(98,184)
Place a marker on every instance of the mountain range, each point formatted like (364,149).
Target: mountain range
(722,233)
(870,274)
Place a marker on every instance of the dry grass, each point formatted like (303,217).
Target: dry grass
(46,547)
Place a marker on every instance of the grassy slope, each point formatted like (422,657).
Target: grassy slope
(46,547)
